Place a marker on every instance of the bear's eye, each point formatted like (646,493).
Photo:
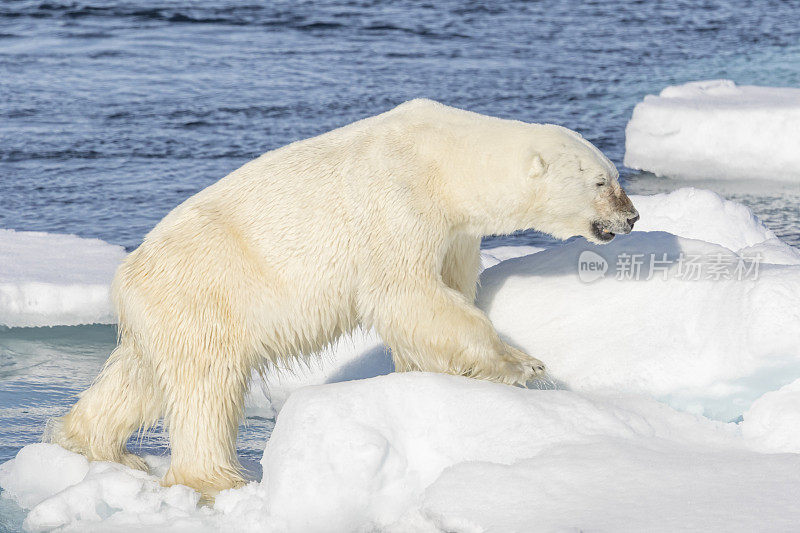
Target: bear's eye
(601,184)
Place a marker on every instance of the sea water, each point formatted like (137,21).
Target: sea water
(112,112)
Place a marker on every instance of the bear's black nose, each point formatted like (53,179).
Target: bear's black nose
(632,221)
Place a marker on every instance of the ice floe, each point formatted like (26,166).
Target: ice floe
(50,279)
(717,129)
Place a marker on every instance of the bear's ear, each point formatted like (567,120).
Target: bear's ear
(538,167)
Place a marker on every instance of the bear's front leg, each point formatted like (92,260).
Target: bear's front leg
(431,327)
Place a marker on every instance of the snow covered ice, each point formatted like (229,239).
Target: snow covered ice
(652,370)
(48,280)
(717,129)
(429,452)
(423,450)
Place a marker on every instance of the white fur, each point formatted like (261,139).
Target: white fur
(377,223)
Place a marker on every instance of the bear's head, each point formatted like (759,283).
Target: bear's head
(574,189)
(500,176)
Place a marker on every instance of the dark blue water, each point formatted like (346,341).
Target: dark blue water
(113,112)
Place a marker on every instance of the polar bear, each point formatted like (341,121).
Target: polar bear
(377,223)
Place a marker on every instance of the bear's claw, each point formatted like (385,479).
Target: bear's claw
(526,368)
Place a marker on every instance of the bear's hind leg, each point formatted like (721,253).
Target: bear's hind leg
(205,402)
(121,400)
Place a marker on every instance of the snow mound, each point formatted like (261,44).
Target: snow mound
(64,490)
(773,421)
(704,215)
(417,452)
(717,129)
(358,456)
(621,486)
(48,279)
(29,480)
(669,317)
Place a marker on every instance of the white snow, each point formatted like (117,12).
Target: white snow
(717,129)
(704,215)
(29,480)
(430,452)
(49,279)
(772,423)
(63,489)
(492,256)
(352,455)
